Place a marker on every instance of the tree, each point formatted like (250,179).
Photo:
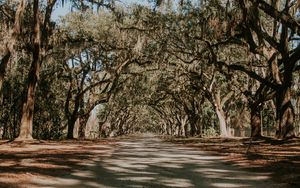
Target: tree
(195,69)
(246,26)
(39,46)
(281,58)
(7,48)
(42,31)
(96,67)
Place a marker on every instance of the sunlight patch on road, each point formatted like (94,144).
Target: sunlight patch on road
(231,174)
(177,182)
(126,164)
(231,185)
(137,179)
(42,182)
(119,169)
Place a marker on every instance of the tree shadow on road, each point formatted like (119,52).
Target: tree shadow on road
(129,164)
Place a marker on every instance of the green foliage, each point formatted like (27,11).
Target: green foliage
(174,70)
(210,132)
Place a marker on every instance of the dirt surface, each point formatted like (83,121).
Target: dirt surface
(281,158)
(146,161)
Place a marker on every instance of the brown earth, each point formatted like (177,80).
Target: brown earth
(279,157)
(20,162)
(139,161)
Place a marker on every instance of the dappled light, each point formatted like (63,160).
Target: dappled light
(143,162)
(149,93)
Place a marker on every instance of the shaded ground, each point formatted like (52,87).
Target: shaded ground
(279,157)
(129,162)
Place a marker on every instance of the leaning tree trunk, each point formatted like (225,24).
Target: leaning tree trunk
(28,105)
(255,121)
(218,104)
(285,115)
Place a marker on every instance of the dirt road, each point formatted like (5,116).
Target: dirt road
(129,163)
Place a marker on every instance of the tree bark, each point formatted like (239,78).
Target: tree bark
(193,123)
(222,121)
(285,114)
(3,66)
(28,105)
(183,123)
(166,128)
(255,121)
(218,104)
(73,117)
(82,125)
(70,130)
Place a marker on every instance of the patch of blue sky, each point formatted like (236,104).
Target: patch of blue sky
(66,8)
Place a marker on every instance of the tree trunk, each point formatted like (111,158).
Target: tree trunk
(82,125)
(222,121)
(183,123)
(3,66)
(285,114)
(74,115)
(28,105)
(166,128)
(220,114)
(5,134)
(178,130)
(255,121)
(199,126)
(193,119)
(71,126)
(297,114)
(171,127)
(193,122)
(215,100)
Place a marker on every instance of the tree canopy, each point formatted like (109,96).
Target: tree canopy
(183,68)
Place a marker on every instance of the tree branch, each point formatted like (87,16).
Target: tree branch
(283,17)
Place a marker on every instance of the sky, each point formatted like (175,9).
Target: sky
(63,10)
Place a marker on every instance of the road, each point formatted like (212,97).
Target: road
(149,162)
